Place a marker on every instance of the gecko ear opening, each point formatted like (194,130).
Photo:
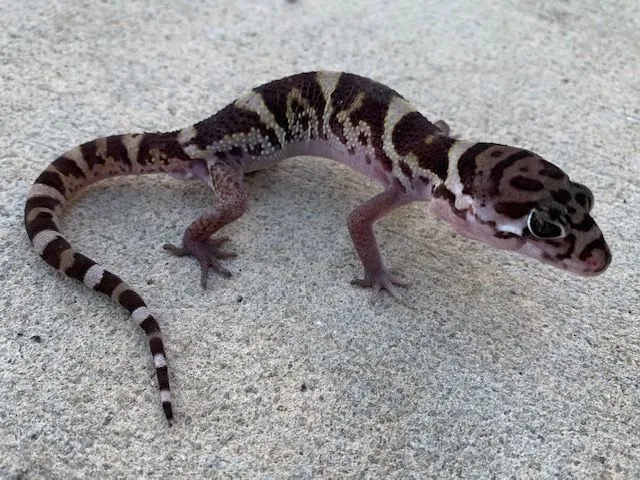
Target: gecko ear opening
(584,196)
(543,227)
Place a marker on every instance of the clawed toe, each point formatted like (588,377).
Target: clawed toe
(217,241)
(177,251)
(207,253)
(384,280)
(216,267)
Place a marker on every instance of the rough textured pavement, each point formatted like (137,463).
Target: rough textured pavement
(492,366)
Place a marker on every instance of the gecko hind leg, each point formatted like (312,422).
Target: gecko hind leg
(197,240)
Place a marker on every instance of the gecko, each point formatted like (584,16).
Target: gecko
(506,197)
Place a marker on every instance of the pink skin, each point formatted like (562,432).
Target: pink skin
(526,244)
(224,180)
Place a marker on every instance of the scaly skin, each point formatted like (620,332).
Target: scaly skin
(503,196)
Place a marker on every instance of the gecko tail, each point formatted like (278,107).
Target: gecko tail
(69,173)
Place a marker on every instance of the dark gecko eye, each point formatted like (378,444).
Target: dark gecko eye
(543,227)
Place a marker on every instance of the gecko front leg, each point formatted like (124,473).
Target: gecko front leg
(360,224)
(197,241)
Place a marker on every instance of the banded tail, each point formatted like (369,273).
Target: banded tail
(69,173)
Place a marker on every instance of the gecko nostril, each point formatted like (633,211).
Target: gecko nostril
(606,261)
(599,260)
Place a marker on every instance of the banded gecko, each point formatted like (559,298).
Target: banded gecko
(506,197)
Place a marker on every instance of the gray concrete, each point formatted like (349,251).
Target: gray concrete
(492,366)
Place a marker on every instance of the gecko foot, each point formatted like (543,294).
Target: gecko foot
(207,253)
(384,280)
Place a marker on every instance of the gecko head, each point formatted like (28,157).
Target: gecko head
(515,200)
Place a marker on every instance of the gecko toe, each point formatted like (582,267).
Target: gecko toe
(396,279)
(385,280)
(217,241)
(177,251)
(207,253)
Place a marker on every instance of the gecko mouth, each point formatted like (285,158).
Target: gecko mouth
(597,262)
(506,235)
(517,241)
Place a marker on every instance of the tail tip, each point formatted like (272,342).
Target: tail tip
(168,412)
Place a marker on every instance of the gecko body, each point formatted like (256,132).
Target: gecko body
(503,196)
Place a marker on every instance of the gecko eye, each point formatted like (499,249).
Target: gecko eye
(543,227)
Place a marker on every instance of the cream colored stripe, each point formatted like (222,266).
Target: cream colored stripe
(33,213)
(396,110)
(153,335)
(101,147)
(75,154)
(44,238)
(187,134)
(165,396)
(42,190)
(132,144)
(159,360)
(66,259)
(255,103)
(93,276)
(453,182)
(328,82)
(122,286)
(140,314)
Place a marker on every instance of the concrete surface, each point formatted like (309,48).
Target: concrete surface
(493,367)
